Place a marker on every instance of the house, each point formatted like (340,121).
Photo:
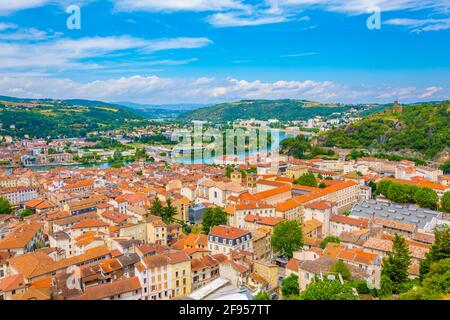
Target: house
(123,289)
(19,195)
(312,228)
(165,276)
(88,225)
(224,239)
(268,271)
(239,211)
(309,269)
(62,241)
(321,211)
(11,285)
(217,192)
(339,224)
(262,246)
(253,222)
(193,240)
(24,238)
(382,246)
(296,171)
(235,272)
(40,264)
(80,186)
(205,269)
(366,261)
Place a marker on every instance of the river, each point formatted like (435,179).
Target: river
(277,137)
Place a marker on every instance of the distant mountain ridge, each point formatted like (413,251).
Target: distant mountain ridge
(172,107)
(284,109)
(58,118)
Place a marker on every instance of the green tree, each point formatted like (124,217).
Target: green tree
(213,217)
(445,201)
(290,287)
(328,290)
(439,250)
(262,295)
(373,185)
(395,265)
(157,208)
(341,268)
(25,213)
(383,187)
(434,286)
(445,167)
(328,239)
(287,237)
(169,211)
(5,207)
(228,171)
(308,179)
(361,286)
(398,192)
(426,198)
(411,191)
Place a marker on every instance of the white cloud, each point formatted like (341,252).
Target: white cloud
(361,6)
(70,53)
(7,26)
(177,43)
(154,89)
(178,5)
(232,19)
(419,25)
(431,91)
(30,34)
(294,55)
(14,5)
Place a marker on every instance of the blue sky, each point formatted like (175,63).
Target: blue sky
(207,51)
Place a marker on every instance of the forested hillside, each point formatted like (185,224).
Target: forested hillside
(285,110)
(421,128)
(57,119)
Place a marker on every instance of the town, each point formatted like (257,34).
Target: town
(150,229)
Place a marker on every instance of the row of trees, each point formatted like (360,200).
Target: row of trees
(403,193)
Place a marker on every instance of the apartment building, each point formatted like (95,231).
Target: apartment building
(224,239)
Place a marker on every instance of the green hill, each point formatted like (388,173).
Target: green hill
(420,128)
(284,110)
(58,118)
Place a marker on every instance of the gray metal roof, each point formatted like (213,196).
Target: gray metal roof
(407,213)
